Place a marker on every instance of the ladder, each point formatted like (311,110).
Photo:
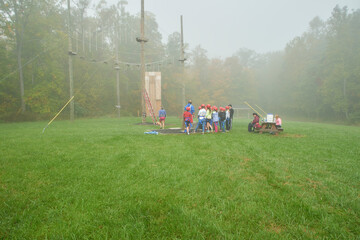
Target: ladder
(149,106)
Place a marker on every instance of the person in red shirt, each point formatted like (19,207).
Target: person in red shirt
(188,119)
(254,123)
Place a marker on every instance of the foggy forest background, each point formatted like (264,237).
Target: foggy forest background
(316,76)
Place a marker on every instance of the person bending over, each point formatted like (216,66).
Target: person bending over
(162,116)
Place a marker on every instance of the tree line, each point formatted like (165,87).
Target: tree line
(316,76)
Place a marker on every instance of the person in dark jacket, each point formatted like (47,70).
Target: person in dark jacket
(222,118)
(252,124)
(231,115)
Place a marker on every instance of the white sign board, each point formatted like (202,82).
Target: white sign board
(270,118)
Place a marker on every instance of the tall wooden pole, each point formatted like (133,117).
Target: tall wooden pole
(83,39)
(77,41)
(90,33)
(117,69)
(96,39)
(70,65)
(142,42)
(182,61)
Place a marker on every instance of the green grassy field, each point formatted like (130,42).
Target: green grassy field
(106,179)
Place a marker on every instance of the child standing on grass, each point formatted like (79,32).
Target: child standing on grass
(162,116)
(222,118)
(215,118)
(208,118)
(231,115)
(188,119)
(201,118)
(227,118)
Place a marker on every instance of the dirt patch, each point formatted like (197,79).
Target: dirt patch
(245,161)
(274,228)
(313,184)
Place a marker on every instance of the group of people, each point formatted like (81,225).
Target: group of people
(210,118)
(256,125)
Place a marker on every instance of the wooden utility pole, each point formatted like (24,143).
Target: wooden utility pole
(70,52)
(83,39)
(182,60)
(142,41)
(142,61)
(117,69)
(96,37)
(77,41)
(90,33)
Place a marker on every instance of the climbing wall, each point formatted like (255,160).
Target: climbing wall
(153,88)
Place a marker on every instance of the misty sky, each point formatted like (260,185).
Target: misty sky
(223,27)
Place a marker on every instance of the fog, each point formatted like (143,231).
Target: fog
(295,58)
(223,27)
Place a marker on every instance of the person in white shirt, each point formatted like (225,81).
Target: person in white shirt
(227,118)
(201,118)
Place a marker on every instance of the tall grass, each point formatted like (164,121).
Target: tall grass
(106,179)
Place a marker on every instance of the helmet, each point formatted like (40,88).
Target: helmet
(188,109)
(215,108)
(227,107)
(208,106)
(202,105)
(199,107)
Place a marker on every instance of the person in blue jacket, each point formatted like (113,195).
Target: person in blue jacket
(192,110)
(162,116)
